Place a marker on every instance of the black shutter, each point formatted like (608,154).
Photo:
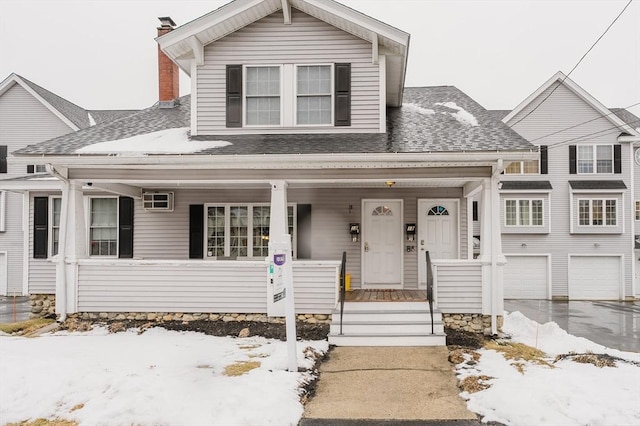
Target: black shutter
(572,159)
(196,231)
(40,227)
(303,231)
(475,211)
(617,159)
(3,158)
(125,227)
(234,95)
(31,168)
(343,95)
(544,159)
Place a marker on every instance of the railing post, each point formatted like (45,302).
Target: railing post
(343,289)
(430,288)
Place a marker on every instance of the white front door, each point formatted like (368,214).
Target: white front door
(437,232)
(382,244)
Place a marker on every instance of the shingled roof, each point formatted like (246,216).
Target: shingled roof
(77,115)
(432,119)
(628,117)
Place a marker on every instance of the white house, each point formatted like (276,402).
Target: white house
(29,114)
(569,220)
(298,120)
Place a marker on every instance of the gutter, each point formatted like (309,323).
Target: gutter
(61,270)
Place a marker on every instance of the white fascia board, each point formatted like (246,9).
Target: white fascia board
(628,138)
(31,185)
(288,161)
(561,78)
(8,82)
(527,191)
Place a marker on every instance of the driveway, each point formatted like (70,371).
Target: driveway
(611,324)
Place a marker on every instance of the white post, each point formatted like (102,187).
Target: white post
(486,235)
(497,257)
(280,296)
(72,246)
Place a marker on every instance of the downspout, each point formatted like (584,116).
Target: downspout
(495,228)
(61,271)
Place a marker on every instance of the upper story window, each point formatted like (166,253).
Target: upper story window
(597,212)
(523,212)
(313,103)
(595,159)
(523,168)
(262,103)
(288,95)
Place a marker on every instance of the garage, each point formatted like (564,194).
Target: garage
(594,277)
(526,277)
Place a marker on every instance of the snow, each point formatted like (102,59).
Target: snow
(92,121)
(418,109)
(170,141)
(158,377)
(463,116)
(569,394)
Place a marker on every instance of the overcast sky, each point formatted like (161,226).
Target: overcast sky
(102,54)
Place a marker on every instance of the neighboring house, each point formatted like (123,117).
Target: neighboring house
(569,219)
(299,122)
(29,114)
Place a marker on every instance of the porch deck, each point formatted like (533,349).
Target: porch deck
(386,296)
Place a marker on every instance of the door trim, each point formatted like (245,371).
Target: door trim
(362,221)
(4,273)
(419,203)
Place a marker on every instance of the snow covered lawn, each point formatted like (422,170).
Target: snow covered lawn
(564,393)
(158,377)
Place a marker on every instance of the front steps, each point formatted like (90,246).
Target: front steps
(386,324)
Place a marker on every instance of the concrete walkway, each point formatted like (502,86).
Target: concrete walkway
(412,384)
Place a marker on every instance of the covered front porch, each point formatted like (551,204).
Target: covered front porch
(206,253)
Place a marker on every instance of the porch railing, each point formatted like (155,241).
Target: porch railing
(343,286)
(430,288)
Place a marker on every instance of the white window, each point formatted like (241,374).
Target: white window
(523,212)
(314,100)
(523,168)
(595,159)
(241,230)
(103,226)
(262,99)
(55,204)
(637,210)
(597,212)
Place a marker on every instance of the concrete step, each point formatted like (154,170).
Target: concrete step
(383,339)
(387,316)
(385,306)
(395,327)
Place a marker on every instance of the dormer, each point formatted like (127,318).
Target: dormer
(289,66)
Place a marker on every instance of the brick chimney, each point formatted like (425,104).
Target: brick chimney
(168,82)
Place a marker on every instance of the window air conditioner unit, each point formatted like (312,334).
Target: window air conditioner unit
(158,201)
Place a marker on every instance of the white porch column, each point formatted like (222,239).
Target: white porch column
(72,246)
(491,252)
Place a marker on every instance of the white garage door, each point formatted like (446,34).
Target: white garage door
(594,277)
(526,277)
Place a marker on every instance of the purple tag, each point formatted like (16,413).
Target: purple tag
(279,259)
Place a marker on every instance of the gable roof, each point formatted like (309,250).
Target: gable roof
(561,78)
(433,119)
(70,113)
(185,43)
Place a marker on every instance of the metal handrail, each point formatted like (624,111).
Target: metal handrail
(343,288)
(430,288)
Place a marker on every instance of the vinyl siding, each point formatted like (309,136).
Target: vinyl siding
(560,111)
(164,235)
(269,42)
(458,286)
(193,286)
(23,121)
